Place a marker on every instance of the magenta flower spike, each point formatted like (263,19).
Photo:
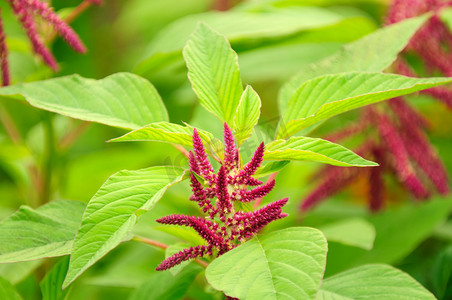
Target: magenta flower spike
(3,55)
(26,12)
(224,226)
(42,9)
(401,147)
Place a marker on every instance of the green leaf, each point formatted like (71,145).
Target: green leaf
(110,214)
(165,286)
(51,285)
(283,60)
(446,17)
(7,291)
(442,272)
(286,264)
(247,115)
(185,233)
(237,26)
(314,149)
(270,168)
(121,100)
(166,132)
(16,272)
(372,53)
(399,232)
(214,72)
(373,282)
(47,231)
(353,232)
(327,96)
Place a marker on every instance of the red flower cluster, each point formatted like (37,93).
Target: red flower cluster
(432,43)
(224,227)
(400,145)
(26,11)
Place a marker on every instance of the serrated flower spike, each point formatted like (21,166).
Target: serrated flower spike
(225,225)
(27,11)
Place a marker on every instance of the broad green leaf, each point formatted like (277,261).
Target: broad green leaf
(174,134)
(237,26)
(270,168)
(166,132)
(399,232)
(372,53)
(51,285)
(285,264)
(354,232)
(314,149)
(214,72)
(121,100)
(7,291)
(247,115)
(324,97)
(110,214)
(47,231)
(165,286)
(373,282)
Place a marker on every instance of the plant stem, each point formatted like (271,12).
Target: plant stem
(150,242)
(72,136)
(259,200)
(48,162)
(10,127)
(164,246)
(181,150)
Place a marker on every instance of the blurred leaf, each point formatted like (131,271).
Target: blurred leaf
(247,115)
(399,231)
(51,285)
(442,272)
(166,132)
(277,62)
(7,291)
(314,149)
(110,214)
(47,231)
(165,286)
(446,16)
(122,99)
(214,72)
(285,264)
(372,282)
(16,272)
(330,95)
(185,233)
(236,26)
(372,53)
(270,168)
(353,232)
(283,60)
